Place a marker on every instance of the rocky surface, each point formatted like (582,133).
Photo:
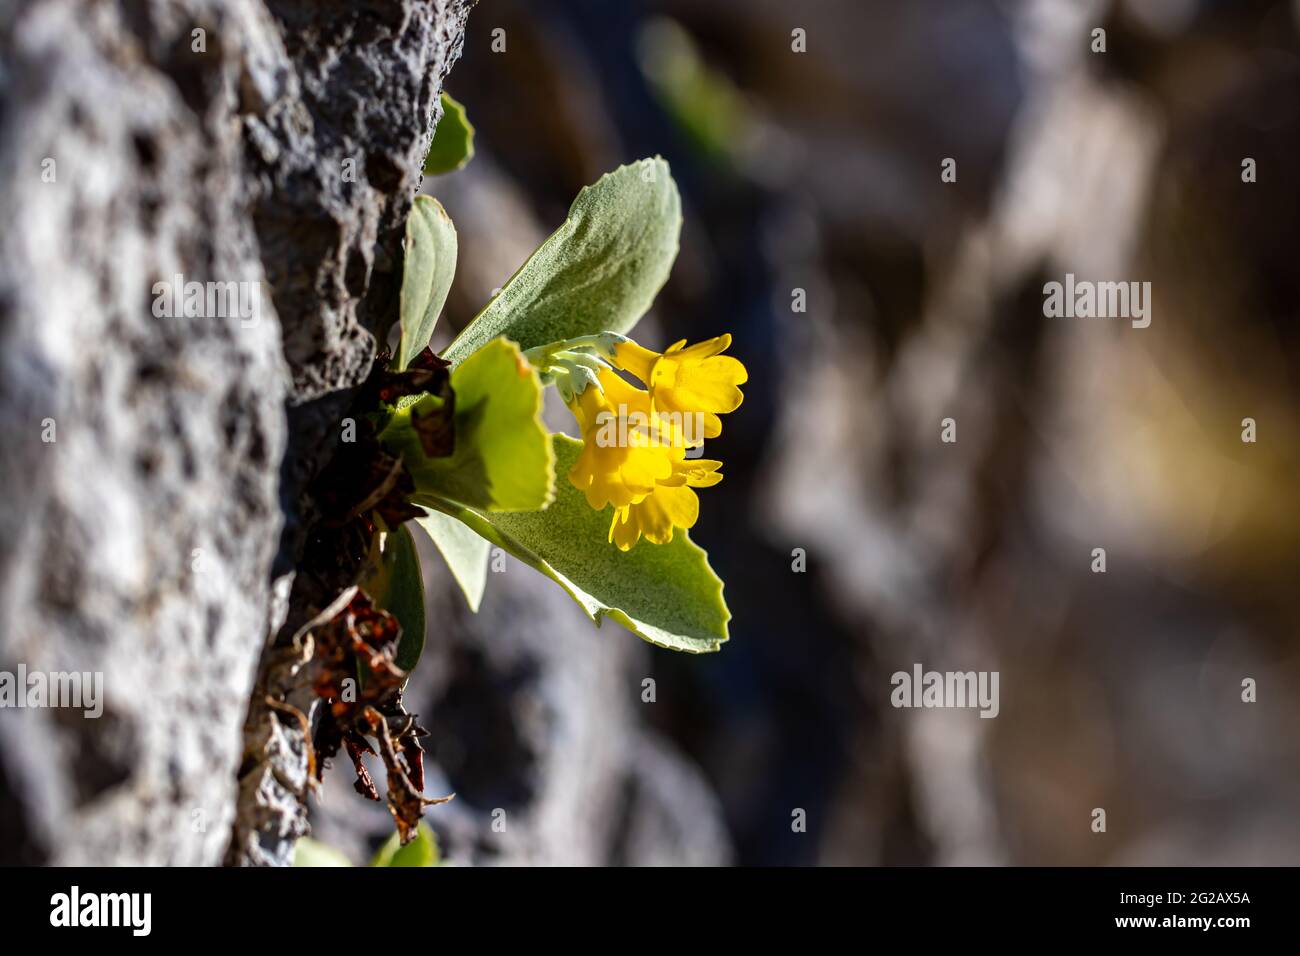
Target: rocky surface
(143,492)
(335,155)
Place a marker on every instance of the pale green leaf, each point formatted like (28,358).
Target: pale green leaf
(422,851)
(665,593)
(453,140)
(464,551)
(429,267)
(398,588)
(309,852)
(503,459)
(599,272)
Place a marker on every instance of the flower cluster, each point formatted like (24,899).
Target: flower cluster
(641,443)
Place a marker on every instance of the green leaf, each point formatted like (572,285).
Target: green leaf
(309,852)
(503,459)
(398,588)
(426,275)
(598,272)
(665,593)
(422,851)
(453,140)
(464,551)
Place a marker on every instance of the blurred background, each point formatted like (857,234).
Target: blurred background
(871,300)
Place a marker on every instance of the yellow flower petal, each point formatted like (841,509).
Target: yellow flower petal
(707,386)
(656,517)
(623,531)
(700,473)
(616,466)
(700,350)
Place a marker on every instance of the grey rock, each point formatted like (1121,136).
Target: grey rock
(139,543)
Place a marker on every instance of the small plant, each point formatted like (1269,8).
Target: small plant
(455,445)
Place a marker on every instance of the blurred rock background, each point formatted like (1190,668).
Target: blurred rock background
(820,171)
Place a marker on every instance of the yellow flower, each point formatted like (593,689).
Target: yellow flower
(694,379)
(634,440)
(671,505)
(623,456)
